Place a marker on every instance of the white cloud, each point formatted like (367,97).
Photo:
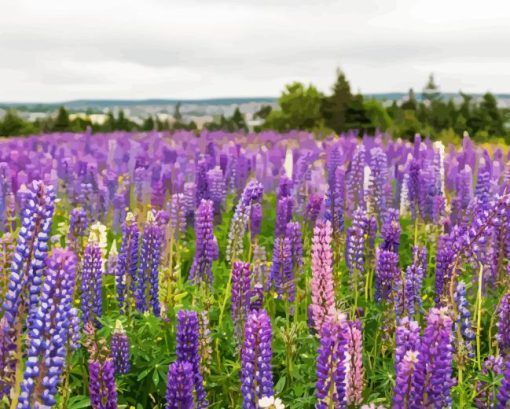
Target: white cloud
(52,50)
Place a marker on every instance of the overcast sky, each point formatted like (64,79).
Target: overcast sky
(56,50)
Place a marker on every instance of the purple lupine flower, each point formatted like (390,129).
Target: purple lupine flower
(201,181)
(241,279)
(7,359)
(91,283)
(313,209)
(75,329)
(356,179)
(390,231)
(125,274)
(178,215)
(335,200)
(414,275)
(433,375)
(48,332)
(444,257)
(355,244)
(407,338)
(331,371)
(354,363)
(283,215)
(504,391)
(31,251)
(188,350)
(377,181)
(179,390)
(205,342)
(260,268)
(405,370)
(293,232)
(256,297)
(483,181)
(463,321)
(120,349)
(282,275)
(256,356)
(256,220)
(148,270)
(206,247)
(323,291)
(503,325)
(387,276)
(78,223)
(102,388)
(190,201)
(486,393)
(217,189)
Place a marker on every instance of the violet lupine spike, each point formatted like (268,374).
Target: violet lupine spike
(78,223)
(179,390)
(256,297)
(444,257)
(282,275)
(313,209)
(31,251)
(486,393)
(378,180)
(206,247)
(120,349)
(407,338)
(293,232)
(240,301)
(355,243)
(336,200)
(48,333)
(323,292)
(217,189)
(260,268)
(256,356)
(503,325)
(75,329)
(404,390)
(463,321)
(356,179)
(148,270)
(102,387)
(178,215)
(414,275)
(256,220)
(283,215)
(331,370)
(390,231)
(7,359)
(201,181)
(190,201)
(188,349)
(387,277)
(503,397)
(483,181)
(91,284)
(125,274)
(354,363)
(432,381)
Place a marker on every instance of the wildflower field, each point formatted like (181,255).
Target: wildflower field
(158,270)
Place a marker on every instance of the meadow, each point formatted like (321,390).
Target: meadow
(261,270)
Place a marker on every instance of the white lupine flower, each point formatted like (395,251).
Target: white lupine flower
(270,402)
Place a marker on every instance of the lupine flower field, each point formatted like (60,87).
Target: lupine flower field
(158,270)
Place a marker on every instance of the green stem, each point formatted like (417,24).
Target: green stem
(479,318)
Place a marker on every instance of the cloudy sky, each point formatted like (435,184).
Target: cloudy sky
(56,50)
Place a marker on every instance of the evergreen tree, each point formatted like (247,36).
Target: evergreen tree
(62,122)
(431,91)
(335,106)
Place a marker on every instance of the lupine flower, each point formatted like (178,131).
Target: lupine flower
(414,276)
(240,221)
(323,293)
(241,279)
(260,268)
(48,332)
(125,275)
(463,321)
(356,179)
(504,391)
(217,188)
(256,220)
(179,390)
(7,360)
(433,374)
(91,282)
(148,270)
(205,342)
(178,215)
(387,276)
(75,329)
(206,247)
(113,259)
(486,393)
(282,275)
(201,181)
(313,209)
(283,215)
(256,297)
(188,350)
(31,251)
(293,232)
(378,180)
(354,363)
(78,223)
(405,370)
(407,338)
(269,402)
(331,371)
(391,231)
(102,388)
(256,355)
(503,325)
(120,349)
(335,200)
(355,244)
